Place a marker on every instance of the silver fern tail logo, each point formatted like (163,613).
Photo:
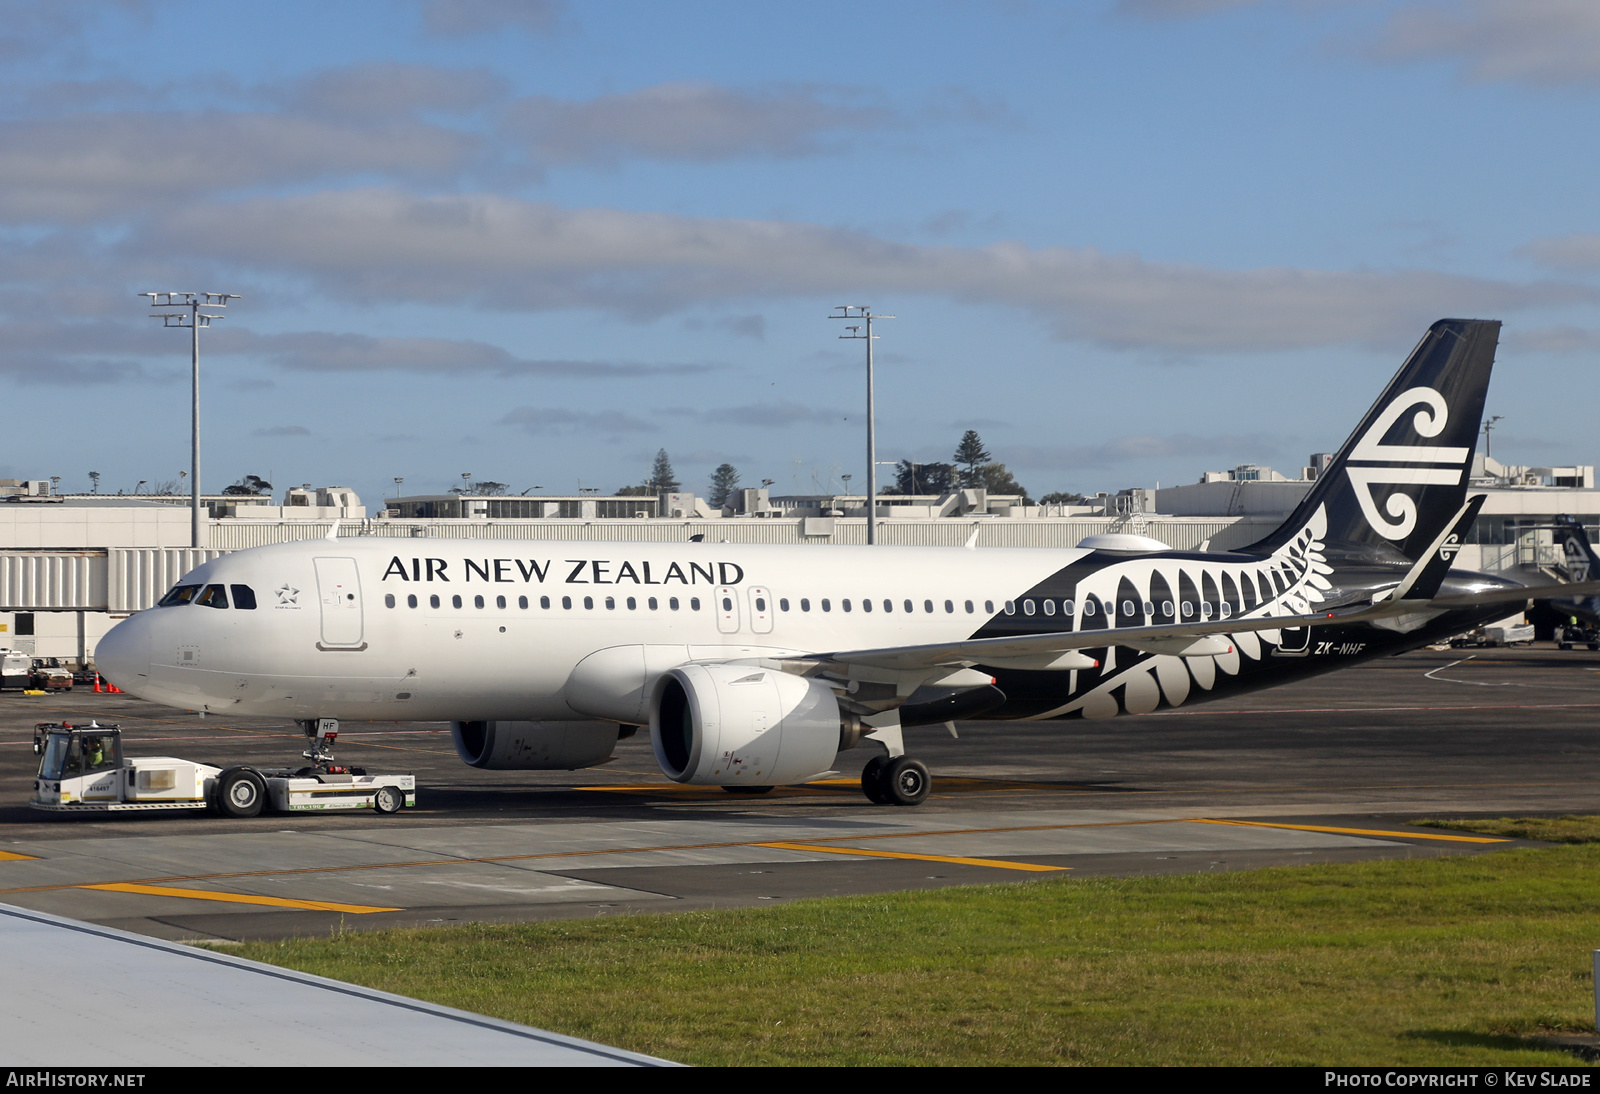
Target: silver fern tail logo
(1372,462)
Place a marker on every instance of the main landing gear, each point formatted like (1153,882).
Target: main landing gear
(895,778)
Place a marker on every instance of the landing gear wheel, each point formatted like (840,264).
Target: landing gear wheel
(747,789)
(905,781)
(872,780)
(388,800)
(240,793)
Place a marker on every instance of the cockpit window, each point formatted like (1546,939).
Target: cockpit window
(214,596)
(244,597)
(178,594)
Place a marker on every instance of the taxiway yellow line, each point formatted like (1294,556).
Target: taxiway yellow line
(1352,831)
(236,898)
(999,864)
(12,856)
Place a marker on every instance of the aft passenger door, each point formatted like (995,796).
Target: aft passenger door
(339,591)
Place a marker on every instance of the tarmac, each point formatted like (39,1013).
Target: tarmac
(1329,770)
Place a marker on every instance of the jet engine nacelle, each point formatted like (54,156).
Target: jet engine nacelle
(534,746)
(733,725)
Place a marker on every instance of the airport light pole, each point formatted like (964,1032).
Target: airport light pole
(1488,430)
(864,313)
(182,309)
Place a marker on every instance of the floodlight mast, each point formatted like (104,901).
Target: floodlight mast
(863,312)
(182,309)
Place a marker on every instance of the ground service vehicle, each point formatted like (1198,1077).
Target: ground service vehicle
(82,770)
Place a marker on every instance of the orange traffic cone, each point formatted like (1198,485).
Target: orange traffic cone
(97,682)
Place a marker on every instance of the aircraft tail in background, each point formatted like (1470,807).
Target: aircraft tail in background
(1578,561)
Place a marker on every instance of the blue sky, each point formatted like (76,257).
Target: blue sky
(536,241)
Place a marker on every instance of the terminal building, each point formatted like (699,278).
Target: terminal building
(72,565)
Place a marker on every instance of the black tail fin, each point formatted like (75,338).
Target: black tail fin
(1578,558)
(1402,475)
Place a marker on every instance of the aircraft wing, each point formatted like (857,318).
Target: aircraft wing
(1174,636)
(1511,596)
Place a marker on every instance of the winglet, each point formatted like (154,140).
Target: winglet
(972,540)
(333,530)
(1425,577)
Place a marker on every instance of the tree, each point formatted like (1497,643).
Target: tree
(924,478)
(249,486)
(1062,497)
(723,481)
(662,480)
(994,478)
(485,488)
(971,454)
(643,490)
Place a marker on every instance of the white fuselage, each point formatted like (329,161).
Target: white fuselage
(388,628)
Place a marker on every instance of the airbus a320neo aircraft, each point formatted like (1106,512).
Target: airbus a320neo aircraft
(755,665)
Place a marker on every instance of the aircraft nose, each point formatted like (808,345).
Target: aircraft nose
(123,655)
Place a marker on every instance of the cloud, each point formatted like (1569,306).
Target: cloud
(769,415)
(549,419)
(1179,9)
(116,164)
(1537,42)
(1576,252)
(505,253)
(282,431)
(1552,340)
(1121,450)
(699,122)
(372,91)
(316,351)
(453,18)
(745,326)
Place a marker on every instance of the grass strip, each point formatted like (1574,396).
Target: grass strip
(1431,961)
(1571,828)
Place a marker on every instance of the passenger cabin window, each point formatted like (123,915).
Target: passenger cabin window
(826,605)
(388,600)
(411,600)
(215,596)
(694,603)
(433,601)
(244,597)
(455,601)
